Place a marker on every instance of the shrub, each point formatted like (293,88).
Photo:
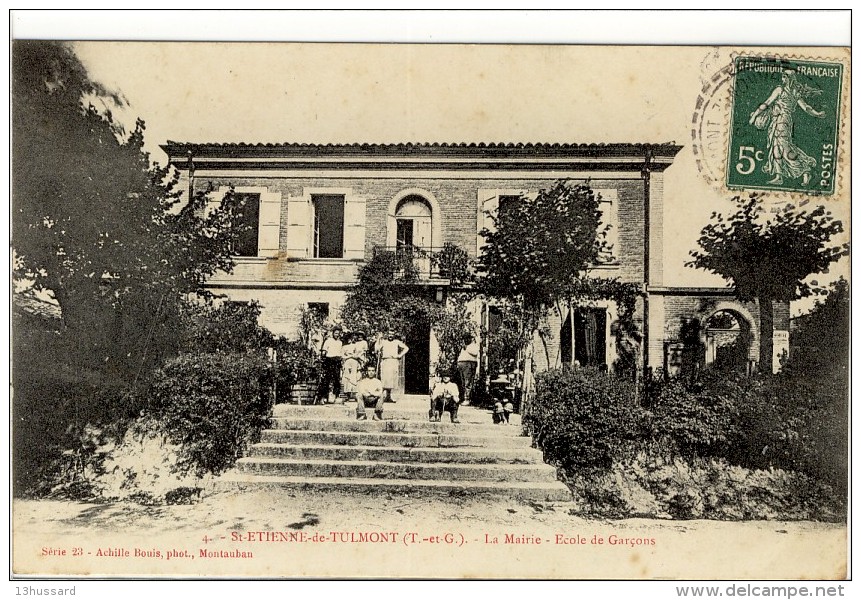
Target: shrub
(60,418)
(213,406)
(649,484)
(699,420)
(583,419)
(225,327)
(294,362)
(723,448)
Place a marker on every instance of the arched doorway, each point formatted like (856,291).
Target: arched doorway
(728,340)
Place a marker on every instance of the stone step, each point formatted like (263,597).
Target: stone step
(393,426)
(388,454)
(391,439)
(408,411)
(363,469)
(375,489)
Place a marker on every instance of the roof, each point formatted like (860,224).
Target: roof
(437,148)
(419,155)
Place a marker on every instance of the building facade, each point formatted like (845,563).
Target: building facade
(318,212)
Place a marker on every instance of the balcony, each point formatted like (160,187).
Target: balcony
(426,265)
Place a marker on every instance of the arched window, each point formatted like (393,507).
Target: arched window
(414,223)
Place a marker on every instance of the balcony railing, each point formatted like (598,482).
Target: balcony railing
(415,262)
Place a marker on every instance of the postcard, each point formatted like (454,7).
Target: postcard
(438,380)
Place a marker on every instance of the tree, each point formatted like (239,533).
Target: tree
(538,250)
(98,226)
(769,259)
(819,346)
(386,297)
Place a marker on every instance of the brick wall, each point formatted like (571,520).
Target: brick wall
(281,308)
(283,285)
(678,307)
(458,203)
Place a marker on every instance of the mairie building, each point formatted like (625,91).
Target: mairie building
(319,212)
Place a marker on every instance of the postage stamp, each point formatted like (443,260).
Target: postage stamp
(784,125)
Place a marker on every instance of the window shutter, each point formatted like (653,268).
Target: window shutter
(609,207)
(298,227)
(354,228)
(488,201)
(270,224)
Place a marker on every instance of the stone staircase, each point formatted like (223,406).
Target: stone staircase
(326,448)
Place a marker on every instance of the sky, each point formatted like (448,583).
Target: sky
(387,93)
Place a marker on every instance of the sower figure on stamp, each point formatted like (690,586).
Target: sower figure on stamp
(785,158)
(390,351)
(331,354)
(369,391)
(444,397)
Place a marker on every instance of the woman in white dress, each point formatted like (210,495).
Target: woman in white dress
(355,359)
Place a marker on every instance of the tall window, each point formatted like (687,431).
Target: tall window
(328,226)
(246,243)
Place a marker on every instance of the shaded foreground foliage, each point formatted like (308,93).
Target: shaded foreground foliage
(105,239)
(729,447)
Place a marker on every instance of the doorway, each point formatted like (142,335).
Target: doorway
(590,337)
(417,361)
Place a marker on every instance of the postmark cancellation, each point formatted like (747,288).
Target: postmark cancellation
(773,123)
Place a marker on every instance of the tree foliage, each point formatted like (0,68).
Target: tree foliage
(536,253)
(98,226)
(386,297)
(540,245)
(769,258)
(819,347)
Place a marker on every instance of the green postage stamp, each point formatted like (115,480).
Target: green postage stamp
(785,125)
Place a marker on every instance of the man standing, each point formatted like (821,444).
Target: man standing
(467,365)
(369,390)
(331,353)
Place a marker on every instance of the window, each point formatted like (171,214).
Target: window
(491,202)
(328,226)
(246,242)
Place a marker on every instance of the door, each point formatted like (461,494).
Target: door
(417,361)
(590,338)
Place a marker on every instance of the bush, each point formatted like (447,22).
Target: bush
(583,419)
(213,406)
(225,327)
(700,420)
(59,421)
(727,447)
(294,363)
(649,484)
(783,422)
